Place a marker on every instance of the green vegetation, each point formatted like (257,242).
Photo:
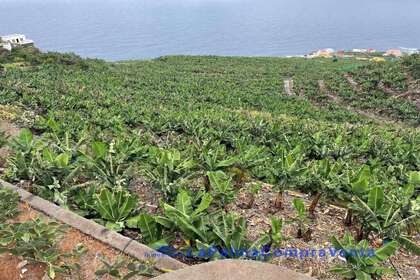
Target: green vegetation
(413,64)
(134,269)
(33,57)
(3,139)
(115,207)
(150,229)
(388,217)
(221,187)
(304,231)
(34,241)
(167,169)
(198,129)
(361,264)
(9,203)
(276,235)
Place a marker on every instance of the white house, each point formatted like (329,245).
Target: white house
(14,40)
(6,46)
(410,51)
(360,50)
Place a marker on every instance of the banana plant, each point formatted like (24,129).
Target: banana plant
(318,145)
(52,170)
(190,220)
(381,216)
(21,162)
(320,177)
(249,159)
(83,201)
(115,207)
(362,264)
(356,183)
(63,142)
(251,156)
(215,158)
(109,164)
(166,167)
(221,187)
(59,166)
(322,146)
(230,237)
(406,198)
(286,170)
(339,148)
(230,232)
(303,231)
(276,235)
(150,230)
(24,142)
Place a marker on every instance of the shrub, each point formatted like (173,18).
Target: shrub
(3,139)
(115,207)
(361,263)
(36,241)
(9,204)
(413,64)
(114,269)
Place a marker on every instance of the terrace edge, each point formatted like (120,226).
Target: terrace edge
(124,244)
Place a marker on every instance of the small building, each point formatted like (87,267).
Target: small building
(326,53)
(340,54)
(394,53)
(360,50)
(409,51)
(15,40)
(6,46)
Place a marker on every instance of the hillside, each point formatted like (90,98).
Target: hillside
(222,135)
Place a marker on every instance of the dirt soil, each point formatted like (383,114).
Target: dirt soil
(11,267)
(328,221)
(9,128)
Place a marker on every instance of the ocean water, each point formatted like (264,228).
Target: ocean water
(141,29)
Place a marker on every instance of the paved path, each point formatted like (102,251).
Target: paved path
(233,270)
(288,87)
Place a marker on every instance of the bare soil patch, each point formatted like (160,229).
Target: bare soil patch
(328,221)
(356,87)
(9,128)
(288,87)
(90,261)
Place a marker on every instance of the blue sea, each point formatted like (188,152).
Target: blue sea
(142,29)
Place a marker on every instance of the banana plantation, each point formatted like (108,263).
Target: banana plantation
(182,152)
